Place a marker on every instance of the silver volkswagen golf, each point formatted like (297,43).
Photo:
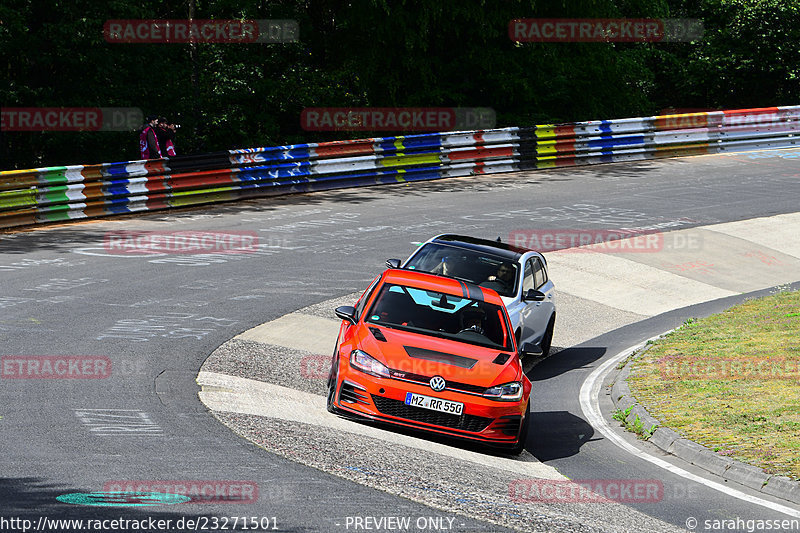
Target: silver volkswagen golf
(518,275)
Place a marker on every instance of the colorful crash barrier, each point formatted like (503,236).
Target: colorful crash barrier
(55,194)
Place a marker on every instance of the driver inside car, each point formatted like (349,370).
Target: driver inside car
(502,281)
(472,319)
(452,266)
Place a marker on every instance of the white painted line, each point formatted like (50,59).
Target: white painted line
(113,423)
(225,393)
(590,404)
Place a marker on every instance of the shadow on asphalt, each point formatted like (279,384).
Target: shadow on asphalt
(24,241)
(563,361)
(558,434)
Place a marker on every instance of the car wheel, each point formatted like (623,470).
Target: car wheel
(523,432)
(547,339)
(333,378)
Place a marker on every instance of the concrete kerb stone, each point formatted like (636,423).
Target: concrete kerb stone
(748,475)
(626,402)
(648,422)
(620,389)
(663,437)
(781,486)
(701,456)
(671,442)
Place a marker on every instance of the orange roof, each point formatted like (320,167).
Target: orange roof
(432,282)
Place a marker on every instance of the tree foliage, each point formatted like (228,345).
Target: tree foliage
(376,53)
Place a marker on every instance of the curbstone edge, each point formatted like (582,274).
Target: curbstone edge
(748,475)
(780,486)
(663,438)
(671,442)
(701,456)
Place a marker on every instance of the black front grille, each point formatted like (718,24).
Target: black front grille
(388,406)
(424,380)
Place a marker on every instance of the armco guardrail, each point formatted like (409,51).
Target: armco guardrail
(63,193)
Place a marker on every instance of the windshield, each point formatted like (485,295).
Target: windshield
(440,315)
(487,270)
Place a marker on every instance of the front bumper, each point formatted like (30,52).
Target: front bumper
(383,400)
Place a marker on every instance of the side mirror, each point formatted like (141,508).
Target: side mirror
(529,349)
(393,263)
(533,295)
(346,312)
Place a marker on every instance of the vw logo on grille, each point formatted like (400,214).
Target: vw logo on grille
(438,383)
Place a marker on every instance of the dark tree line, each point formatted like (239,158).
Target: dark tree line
(362,53)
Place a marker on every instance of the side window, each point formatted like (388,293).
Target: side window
(539,273)
(365,298)
(528,279)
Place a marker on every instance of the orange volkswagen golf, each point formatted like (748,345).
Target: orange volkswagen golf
(432,353)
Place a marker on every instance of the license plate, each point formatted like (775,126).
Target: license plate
(434,404)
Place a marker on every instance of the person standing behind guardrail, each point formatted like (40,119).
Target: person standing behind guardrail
(148,141)
(165,131)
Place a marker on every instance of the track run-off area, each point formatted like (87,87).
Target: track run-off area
(210,368)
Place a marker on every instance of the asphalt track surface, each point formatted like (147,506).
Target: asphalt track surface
(158,318)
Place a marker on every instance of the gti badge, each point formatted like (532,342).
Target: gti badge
(438,383)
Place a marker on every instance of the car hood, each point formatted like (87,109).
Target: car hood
(423,355)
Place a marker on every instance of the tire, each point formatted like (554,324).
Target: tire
(519,447)
(333,378)
(547,338)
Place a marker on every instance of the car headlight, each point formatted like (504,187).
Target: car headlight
(368,364)
(508,392)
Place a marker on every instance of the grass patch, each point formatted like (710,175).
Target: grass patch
(731,382)
(637,426)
